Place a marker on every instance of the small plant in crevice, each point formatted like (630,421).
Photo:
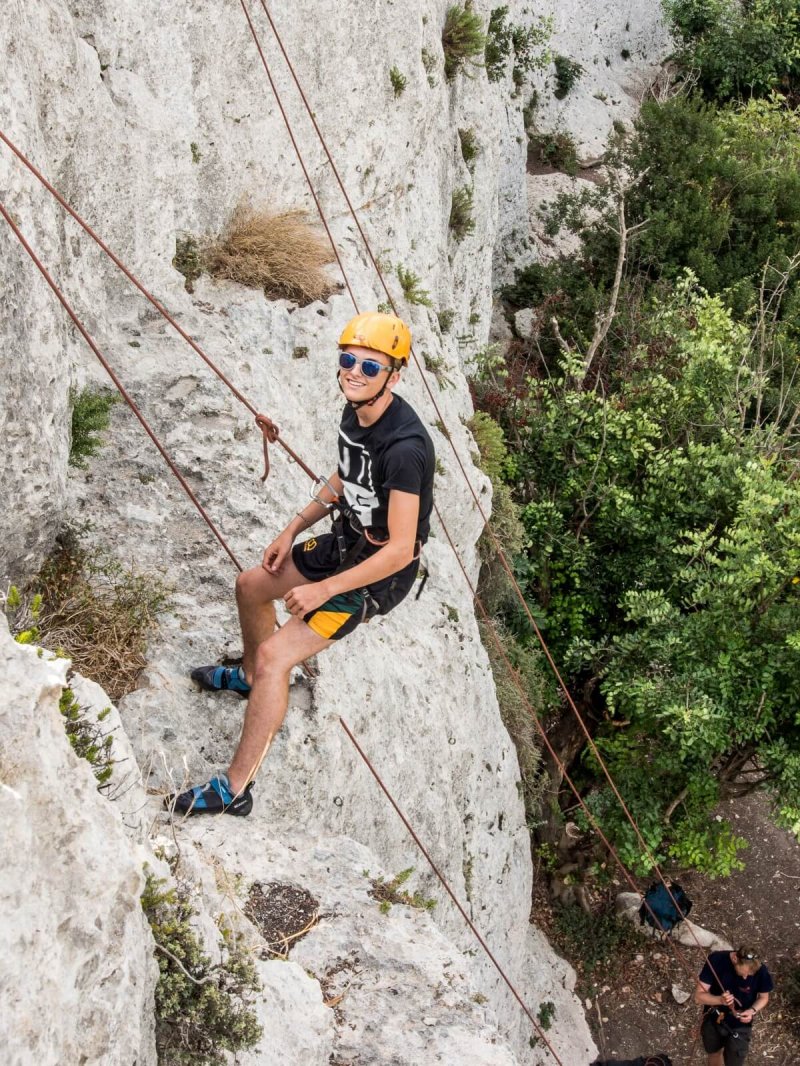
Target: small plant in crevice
(23,617)
(91,416)
(196,154)
(546,1014)
(529,110)
(398,80)
(445,318)
(391,892)
(568,72)
(525,45)
(463,39)
(429,63)
(555,149)
(188,259)
(436,365)
(202,1010)
(442,428)
(470,149)
(412,291)
(87,738)
(461,219)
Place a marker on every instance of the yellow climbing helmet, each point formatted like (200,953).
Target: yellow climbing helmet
(385,333)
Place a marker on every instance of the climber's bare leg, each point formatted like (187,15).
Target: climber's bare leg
(256,591)
(269,697)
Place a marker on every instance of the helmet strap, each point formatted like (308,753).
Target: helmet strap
(355,404)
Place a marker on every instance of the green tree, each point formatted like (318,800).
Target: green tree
(714,190)
(739,49)
(663,530)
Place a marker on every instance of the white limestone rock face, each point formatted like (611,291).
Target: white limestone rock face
(76,968)
(289,994)
(620,48)
(155,122)
(388,989)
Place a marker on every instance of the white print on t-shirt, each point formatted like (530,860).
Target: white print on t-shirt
(355,470)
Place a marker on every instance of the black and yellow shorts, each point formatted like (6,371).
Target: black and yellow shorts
(318,558)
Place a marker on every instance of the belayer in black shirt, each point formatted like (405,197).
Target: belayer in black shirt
(366,564)
(733,987)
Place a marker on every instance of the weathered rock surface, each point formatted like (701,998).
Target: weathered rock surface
(156,122)
(76,967)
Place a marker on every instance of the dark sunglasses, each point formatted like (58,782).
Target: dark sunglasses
(370,368)
(746,956)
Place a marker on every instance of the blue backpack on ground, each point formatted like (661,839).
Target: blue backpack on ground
(662,911)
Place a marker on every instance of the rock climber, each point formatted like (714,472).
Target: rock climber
(733,987)
(330,583)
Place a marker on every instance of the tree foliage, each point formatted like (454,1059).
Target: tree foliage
(655,421)
(663,528)
(739,50)
(714,190)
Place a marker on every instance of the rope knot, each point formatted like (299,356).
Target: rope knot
(270,434)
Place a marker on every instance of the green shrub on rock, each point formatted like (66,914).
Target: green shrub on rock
(91,414)
(463,39)
(526,45)
(202,1011)
(86,737)
(568,71)
(461,218)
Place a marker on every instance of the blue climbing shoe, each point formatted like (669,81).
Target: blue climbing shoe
(221,679)
(215,797)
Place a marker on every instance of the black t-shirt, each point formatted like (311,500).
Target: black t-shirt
(746,990)
(395,452)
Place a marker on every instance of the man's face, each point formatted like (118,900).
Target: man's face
(745,969)
(357,385)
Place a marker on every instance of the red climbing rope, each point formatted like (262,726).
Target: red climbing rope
(487,525)
(269,430)
(266,425)
(270,433)
(443,881)
(123,391)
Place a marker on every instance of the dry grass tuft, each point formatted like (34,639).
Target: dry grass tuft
(97,612)
(279,253)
